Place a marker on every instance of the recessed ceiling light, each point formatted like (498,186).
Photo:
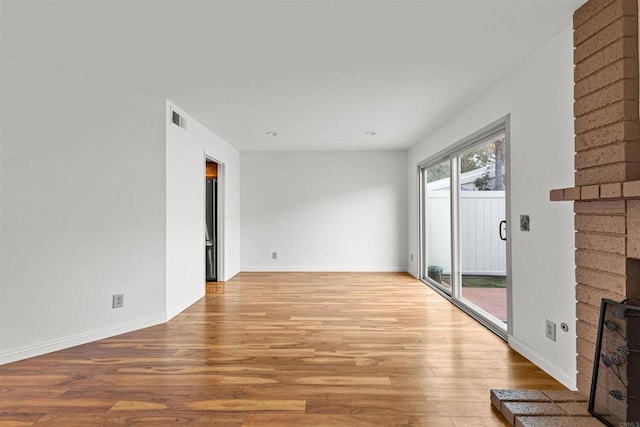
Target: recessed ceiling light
(272,133)
(370,132)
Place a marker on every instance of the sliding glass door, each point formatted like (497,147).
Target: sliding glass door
(438,223)
(464,249)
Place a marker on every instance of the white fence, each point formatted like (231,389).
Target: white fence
(482,250)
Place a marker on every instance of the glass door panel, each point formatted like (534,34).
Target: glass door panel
(437,225)
(482,213)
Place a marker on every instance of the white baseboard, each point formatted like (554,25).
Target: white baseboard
(567,379)
(312,269)
(75,340)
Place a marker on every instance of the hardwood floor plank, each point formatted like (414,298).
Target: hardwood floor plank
(43,404)
(228,379)
(494,421)
(323,420)
(191,419)
(496,372)
(449,395)
(446,361)
(183,370)
(327,349)
(246,405)
(8,419)
(34,380)
(479,422)
(138,405)
(343,380)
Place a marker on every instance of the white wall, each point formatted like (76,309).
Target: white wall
(323,211)
(83,197)
(186,149)
(538,96)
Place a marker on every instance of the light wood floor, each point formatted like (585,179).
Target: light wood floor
(281,349)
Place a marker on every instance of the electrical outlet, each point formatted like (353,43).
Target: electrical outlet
(551,330)
(411,257)
(118,301)
(524,222)
(274,255)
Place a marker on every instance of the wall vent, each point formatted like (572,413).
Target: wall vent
(178,120)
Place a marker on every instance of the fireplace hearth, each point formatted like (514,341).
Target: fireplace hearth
(615,389)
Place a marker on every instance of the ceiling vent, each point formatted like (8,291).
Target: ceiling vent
(178,120)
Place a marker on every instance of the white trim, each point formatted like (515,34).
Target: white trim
(421,266)
(297,268)
(568,379)
(220,217)
(507,189)
(78,339)
(466,142)
(454,213)
(484,273)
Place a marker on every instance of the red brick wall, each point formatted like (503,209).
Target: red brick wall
(606,92)
(607,156)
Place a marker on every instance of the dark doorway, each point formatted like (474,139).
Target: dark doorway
(211,222)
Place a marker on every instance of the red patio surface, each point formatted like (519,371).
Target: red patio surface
(491,300)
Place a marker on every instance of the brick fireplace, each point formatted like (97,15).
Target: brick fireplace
(606,195)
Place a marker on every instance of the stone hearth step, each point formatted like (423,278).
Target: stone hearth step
(536,408)
(558,422)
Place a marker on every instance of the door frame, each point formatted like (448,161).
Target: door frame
(501,124)
(422,248)
(219,216)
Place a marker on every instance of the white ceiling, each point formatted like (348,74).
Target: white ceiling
(320,73)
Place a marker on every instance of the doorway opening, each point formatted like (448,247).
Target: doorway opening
(464,238)
(212,224)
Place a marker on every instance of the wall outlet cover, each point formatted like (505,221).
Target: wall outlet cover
(118,301)
(550,330)
(524,223)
